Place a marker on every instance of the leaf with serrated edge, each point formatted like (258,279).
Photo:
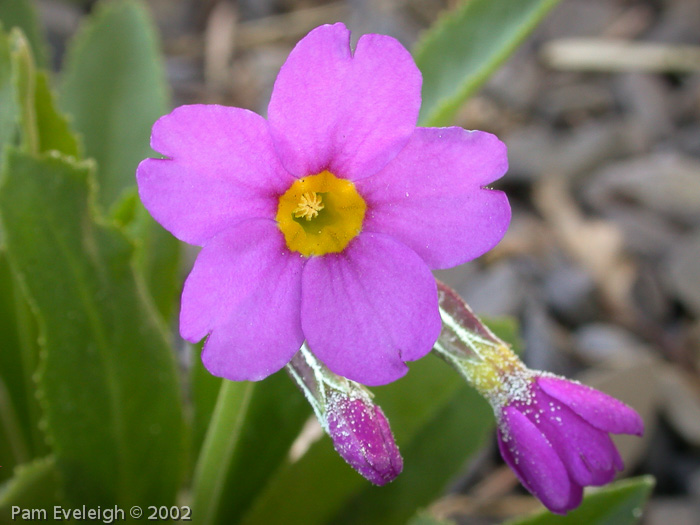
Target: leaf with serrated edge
(23,78)
(42,127)
(33,485)
(20,437)
(114,87)
(55,133)
(108,380)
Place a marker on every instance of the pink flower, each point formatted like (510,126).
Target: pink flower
(322,222)
(554,434)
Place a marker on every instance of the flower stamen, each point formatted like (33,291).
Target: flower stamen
(309,206)
(320,214)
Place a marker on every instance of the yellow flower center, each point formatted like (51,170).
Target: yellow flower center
(320,214)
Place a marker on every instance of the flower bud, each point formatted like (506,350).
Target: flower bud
(361,435)
(552,432)
(359,429)
(554,435)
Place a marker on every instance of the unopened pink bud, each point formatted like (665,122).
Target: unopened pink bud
(361,435)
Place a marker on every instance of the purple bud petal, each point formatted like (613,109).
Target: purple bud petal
(599,409)
(531,456)
(362,436)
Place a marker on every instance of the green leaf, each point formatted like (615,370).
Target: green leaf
(464,47)
(25,99)
(114,87)
(21,14)
(27,102)
(157,252)
(619,503)
(23,75)
(158,258)
(54,131)
(19,434)
(34,485)
(8,108)
(251,432)
(322,473)
(108,380)
(219,449)
(205,391)
(14,448)
(18,363)
(42,127)
(410,404)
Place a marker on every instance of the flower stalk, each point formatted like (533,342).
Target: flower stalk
(484,360)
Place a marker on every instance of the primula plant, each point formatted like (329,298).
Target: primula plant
(318,226)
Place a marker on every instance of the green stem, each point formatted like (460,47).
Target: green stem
(218,449)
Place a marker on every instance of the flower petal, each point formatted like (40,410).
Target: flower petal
(599,409)
(538,467)
(430,197)
(222,169)
(245,290)
(588,453)
(370,308)
(348,113)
